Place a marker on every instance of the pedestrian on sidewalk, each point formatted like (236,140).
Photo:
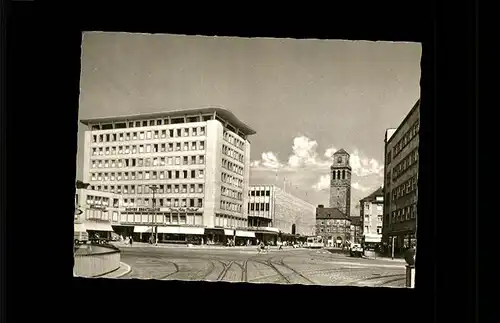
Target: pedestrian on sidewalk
(131,241)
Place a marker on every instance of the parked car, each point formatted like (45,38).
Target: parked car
(356,250)
(81,237)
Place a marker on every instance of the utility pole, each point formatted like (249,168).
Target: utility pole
(392,248)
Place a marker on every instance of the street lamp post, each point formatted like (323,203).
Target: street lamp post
(153,220)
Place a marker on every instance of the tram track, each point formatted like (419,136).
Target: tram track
(225,270)
(358,281)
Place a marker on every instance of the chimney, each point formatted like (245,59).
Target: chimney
(321,206)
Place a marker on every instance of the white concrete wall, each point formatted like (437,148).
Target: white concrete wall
(213,167)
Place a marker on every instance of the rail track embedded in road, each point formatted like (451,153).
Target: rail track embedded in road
(225,270)
(295,271)
(357,281)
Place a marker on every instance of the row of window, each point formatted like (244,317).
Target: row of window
(406,188)
(163,202)
(101,215)
(259,193)
(233,140)
(102,201)
(153,122)
(229,221)
(405,164)
(149,148)
(330,222)
(407,137)
(145,189)
(378,206)
(334,229)
(149,175)
(230,206)
(163,217)
(379,229)
(258,206)
(233,154)
(404,214)
(147,162)
(146,135)
(231,193)
(232,167)
(229,179)
(337,174)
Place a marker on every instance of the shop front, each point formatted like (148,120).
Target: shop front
(215,236)
(244,238)
(181,234)
(98,228)
(268,235)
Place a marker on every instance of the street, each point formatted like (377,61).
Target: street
(288,266)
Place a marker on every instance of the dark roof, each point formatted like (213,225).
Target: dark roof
(373,196)
(356,220)
(330,213)
(223,113)
(341,151)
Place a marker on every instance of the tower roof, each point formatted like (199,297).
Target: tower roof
(341,151)
(373,196)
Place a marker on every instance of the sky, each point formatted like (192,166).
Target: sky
(305,98)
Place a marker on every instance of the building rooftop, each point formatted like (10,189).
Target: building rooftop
(392,131)
(219,111)
(330,213)
(378,193)
(356,220)
(341,151)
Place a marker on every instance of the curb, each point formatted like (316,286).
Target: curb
(129,269)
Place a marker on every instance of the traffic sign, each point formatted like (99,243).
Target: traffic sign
(78,211)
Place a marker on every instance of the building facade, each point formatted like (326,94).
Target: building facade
(340,182)
(272,211)
(99,210)
(333,226)
(371,214)
(183,173)
(356,230)
(401,182)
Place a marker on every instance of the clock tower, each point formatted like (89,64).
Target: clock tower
(340,182)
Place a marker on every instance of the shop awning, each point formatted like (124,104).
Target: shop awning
(246,234)
(80,227)
(142,229)
(228,232)
(99,226)
(181,230)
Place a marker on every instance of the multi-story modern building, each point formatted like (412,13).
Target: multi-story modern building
(340,182)
(371,212)
(400,183)
(356,230)
(99,210)
(184,173)
(273,212)
(333,226)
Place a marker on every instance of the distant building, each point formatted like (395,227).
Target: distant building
(400,183)
(371,214)
(272,211)
(198,159)
(333,226)
(340,182)
(356,229)
(99,211)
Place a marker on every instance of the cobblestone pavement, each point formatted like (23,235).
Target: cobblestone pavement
(290,266)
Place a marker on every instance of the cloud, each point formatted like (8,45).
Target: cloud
(363,166)
(360,187)
(323,183)
(305,156)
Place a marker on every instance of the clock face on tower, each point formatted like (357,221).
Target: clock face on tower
(339,160)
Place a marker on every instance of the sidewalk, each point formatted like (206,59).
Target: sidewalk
(213,247)
(399,260)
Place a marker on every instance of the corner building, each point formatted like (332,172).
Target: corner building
(274,214)
(198,160)
(401,183)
